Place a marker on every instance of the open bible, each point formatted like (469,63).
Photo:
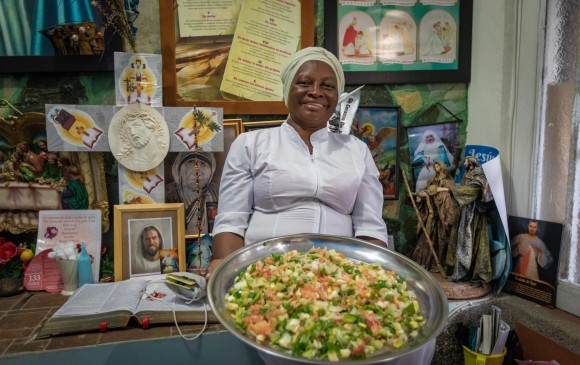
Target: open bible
(112,305)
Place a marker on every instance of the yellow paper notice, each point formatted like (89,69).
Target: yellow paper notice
(198,18)
(267,33)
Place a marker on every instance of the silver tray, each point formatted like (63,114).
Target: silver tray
(432,300)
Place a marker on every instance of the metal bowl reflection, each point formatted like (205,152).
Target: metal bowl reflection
(431,298)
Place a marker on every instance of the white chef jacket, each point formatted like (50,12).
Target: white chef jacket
(272,186)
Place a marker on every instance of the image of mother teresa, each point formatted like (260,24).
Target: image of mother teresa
(183,188)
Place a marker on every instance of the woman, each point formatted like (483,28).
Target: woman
(438,211)
(299,178)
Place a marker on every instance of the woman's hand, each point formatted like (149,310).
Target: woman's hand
(211,268)
(223,244)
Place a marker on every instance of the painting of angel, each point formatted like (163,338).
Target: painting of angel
(378,127)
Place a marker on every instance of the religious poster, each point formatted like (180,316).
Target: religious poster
(141,187)
(207,18)
(535,256)
(398,35)
(59,227)
(138,79)
(267,33)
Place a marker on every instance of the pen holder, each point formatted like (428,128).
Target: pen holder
(475,358)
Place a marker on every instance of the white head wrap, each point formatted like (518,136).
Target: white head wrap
(310,54)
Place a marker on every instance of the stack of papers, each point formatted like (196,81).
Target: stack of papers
(490,336)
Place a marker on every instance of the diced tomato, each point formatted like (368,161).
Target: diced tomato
(358,350)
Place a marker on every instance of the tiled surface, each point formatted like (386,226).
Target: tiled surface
(22,317)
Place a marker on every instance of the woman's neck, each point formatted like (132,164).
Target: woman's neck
(303,133)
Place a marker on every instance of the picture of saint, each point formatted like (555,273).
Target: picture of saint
(199,254)
(535,253)
(438,37)
(397,38)
(169,260)
(147,239)
(184,186)
(530,253)
(430,144)
(357,38)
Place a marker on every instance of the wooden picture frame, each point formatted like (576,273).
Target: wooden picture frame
(254,126)
(179,188)
(111,41)
(383,61)
(379,128)
(133,220)
(169,15)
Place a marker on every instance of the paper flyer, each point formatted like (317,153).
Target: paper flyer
(264,39)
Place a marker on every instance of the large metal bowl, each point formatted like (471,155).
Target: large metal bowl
(432,301)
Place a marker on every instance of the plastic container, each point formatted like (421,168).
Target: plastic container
(475,358)
(85,267)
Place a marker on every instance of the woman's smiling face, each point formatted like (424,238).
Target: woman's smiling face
(313,95)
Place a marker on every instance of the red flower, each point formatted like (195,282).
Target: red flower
(7,251)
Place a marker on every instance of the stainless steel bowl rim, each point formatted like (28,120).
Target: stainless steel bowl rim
(302,242)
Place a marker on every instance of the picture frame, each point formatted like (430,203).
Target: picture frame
(378,127)
(179,183)
(431,143)
(169,17)
(198,252)
(535,256)
(111,41)
(133,226)
(418,50)
(254,126)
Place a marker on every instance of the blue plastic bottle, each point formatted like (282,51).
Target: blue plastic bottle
(85,267)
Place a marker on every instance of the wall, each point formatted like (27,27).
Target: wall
(502,95)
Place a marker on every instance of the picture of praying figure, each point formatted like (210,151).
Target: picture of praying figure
(438,37)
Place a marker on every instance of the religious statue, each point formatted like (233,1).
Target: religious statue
(468,254)
(437,210)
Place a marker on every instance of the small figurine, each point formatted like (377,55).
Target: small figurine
(468,254)
(437,212)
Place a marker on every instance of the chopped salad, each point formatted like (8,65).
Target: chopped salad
(321,305)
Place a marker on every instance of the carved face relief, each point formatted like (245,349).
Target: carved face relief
(138,137)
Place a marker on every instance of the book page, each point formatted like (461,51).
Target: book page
(268,32)
(166,300)
(198,18)
(102,298)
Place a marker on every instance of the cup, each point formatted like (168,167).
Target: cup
(475,358)
(70,276)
